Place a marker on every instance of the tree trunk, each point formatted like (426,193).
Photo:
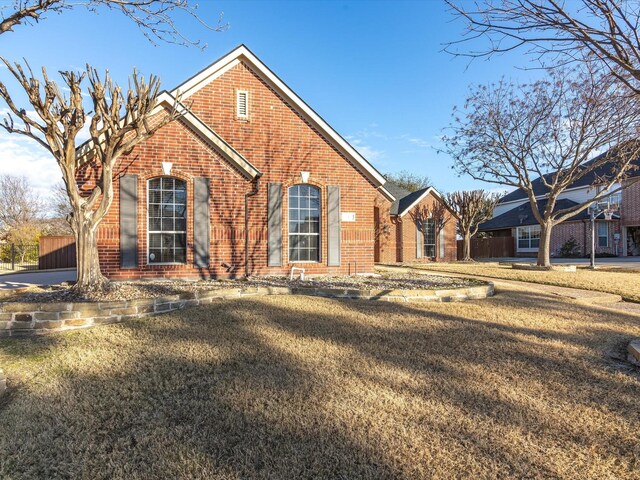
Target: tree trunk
(544,246)
(466,247)
(90,276)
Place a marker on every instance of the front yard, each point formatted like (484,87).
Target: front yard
(520,385)
(622,282)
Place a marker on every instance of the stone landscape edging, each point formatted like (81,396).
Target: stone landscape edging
(538,268)
(3,383)
(633,350)
(25,319)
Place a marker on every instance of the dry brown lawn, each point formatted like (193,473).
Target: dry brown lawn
(523,385)
(621,282)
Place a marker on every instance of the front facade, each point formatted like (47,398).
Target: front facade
(618,235)
(419,228)
(250,180)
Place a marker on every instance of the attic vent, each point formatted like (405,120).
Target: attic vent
(242,104)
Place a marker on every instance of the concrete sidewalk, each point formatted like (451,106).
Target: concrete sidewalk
(12,281)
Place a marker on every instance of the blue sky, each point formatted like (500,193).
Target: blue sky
(373,69)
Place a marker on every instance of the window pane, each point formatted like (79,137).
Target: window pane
(155,196)
(523,243)
(181,256)
(603,229)
(155,240)
(180,225)
(168,183)
(535,242)
(155,224)
(167,224)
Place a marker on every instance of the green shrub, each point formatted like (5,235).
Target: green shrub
(570,249)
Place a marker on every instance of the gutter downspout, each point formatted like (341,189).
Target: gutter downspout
(253,192)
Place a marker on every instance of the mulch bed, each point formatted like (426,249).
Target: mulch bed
(150,289)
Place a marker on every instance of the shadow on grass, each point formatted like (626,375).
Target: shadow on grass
(314,388)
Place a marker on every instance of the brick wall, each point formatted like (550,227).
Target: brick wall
(278,142)
(401,243)
(630,207)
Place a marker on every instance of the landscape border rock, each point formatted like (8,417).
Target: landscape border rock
(25,319)
(634,351)
(538,268)
(3,383)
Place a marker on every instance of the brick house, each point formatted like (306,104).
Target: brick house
(619,235)
(419,228)
(249,180)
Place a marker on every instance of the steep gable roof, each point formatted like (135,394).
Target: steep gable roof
(406,200)
(243,54)
(398,192)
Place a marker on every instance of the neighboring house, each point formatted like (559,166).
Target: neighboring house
(250,179)
(618,236)
(419,228)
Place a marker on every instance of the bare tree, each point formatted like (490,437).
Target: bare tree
(58,211)
(472,208)
(155,18)
(559,32)
(408,180)
(550,129)
(59,205)
(118,122)
(437,213)
(19,203)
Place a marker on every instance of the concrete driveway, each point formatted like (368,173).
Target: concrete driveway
(10,281)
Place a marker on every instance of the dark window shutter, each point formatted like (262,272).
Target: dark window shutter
(201,222)
(274,224)
(419,240)
(333,222)
(442,242)
(129,221)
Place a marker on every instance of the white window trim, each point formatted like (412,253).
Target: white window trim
(606,224)
(435,240)
(149,232)
(244,116)
(525,250)
(319,234)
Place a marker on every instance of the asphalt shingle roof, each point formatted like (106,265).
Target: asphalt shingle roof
(523,215)
(539,187)
(399,193)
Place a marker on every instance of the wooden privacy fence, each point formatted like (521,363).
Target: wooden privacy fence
(57,252)
(493,247)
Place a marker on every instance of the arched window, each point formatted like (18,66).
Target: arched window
(167,220)
(304,223)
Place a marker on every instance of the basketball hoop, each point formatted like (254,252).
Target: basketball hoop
(608,214)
